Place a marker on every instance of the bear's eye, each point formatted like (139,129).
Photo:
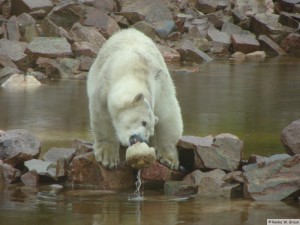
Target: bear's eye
(144,123)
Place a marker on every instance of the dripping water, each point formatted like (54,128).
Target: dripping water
(137,195)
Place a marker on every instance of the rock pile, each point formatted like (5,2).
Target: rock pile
(61,38)
(210,167)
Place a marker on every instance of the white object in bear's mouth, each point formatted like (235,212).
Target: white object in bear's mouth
(140,155)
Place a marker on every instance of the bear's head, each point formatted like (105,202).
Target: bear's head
(135,121)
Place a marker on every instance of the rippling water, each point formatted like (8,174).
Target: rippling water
(253,100)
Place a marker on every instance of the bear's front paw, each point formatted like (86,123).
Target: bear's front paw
(168,160)
(107,157)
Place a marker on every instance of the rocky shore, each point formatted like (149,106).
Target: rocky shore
(61,38)
(210,167)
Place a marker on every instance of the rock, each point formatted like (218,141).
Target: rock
(238,56)
(84,48)
(19,81)
(291,44)
(15,51)
(256,55)
(273,181)
(169,54)
(218,36)
(41,167)
(27,27)
(86,172)
(36,74)
(225,153)
(256,159)
(30,178)
(199,25)
(211,184)
(286,5)
(8,174)
(210,6)
(106,6)
(17,146)
(6,72)
(187,148)
(146,28)
(5,8)
(234,177)
(290,138)
(54,154)
(159,172)
(13,29)
(82,146)
(180,188)
(231,28)
(154,12)
(62,167)
(287,19)
(244,43)
(267,24)
(85,63)
(217,19)
(88,34)
(21,6)
(174,36)
(5,61)
(50,47)
(67,67)
(269,46)
(104,23)
(49,66)
(189,52)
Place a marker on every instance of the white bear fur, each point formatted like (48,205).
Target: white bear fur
(129,83)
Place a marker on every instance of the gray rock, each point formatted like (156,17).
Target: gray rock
(270,46)
(17,146)
(146,28)
(30,178)
(21,6)
(13,31)
(180,188)
(8,174)
(54,154)
(273,181)
(290,138)
(41,167)
(189,52)
(169,54)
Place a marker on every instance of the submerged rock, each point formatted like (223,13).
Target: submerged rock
(290,138)
(30,178)
(8,174)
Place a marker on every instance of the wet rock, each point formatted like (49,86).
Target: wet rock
(88,34)
(84,48)
(17,81)
(41,167)
(225,153)
(269,46)
(17,146)
(50,47)
(146,28)
(21,6)
(15,51)
(13,31)
(104,23)
(54,154)
(273,181)
(257,55)
(159,172)
(169,54)
(8,174)
(180,188)
(267,24)
(211,184)
(154,12)
(188,147)
(244,43)
(291,44)
(189,52)
(290,138)
(86,172)
(30,178)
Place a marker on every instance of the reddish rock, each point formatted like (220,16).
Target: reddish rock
(169,54)
(180,188)
(8,174)
(85,63)
(291,44)
(269,46)
(290,138)
(54,154)
(273,181)
(50,47)
(5,8)
(287,19)
(50,29)
(13,31)
(106,6)
(30,178)
(225,153)
(15,51)
(49,66)
(21,6)
(84,48)
(62,167)
(86,172)
(89,34)
(17,146)
(286,5)
(104,23)
(244,43)
(189,52)
(159,172)
(146,28)
(67,67)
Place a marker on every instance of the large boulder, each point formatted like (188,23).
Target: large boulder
(290,137)
(21,6)
(244,43)
(17,146)
(17,81)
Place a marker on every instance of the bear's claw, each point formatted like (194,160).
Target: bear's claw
(171,163)
(106,157)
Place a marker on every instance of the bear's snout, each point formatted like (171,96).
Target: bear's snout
(135,138)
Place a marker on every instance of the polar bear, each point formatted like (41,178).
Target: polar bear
(132,98)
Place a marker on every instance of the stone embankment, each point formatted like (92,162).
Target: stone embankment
(61,38)
(210,167)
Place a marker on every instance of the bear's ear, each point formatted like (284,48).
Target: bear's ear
(138,99)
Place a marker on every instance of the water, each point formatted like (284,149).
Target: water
(137,195)
(253,100)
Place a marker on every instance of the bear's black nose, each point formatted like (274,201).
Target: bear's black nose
(135,138)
